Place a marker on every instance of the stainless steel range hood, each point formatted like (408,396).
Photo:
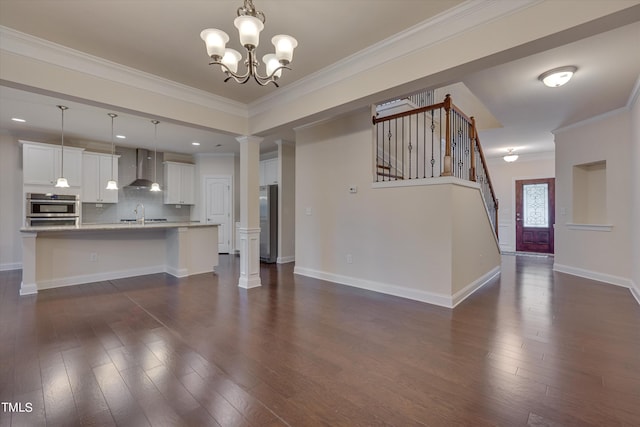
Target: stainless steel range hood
(144,170)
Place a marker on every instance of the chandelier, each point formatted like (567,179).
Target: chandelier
(249,24)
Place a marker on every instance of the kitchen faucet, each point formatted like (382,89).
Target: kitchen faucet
(141,219)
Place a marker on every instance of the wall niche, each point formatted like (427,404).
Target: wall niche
(590,193)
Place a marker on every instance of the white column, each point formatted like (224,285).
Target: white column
(249,211)
(29,265)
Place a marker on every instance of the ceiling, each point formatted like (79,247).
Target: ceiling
(162,38)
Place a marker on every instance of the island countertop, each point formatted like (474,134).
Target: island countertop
(118,226)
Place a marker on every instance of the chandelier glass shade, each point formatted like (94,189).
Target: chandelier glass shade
(249,23)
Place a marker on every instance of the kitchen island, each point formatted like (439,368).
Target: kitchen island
(71,255)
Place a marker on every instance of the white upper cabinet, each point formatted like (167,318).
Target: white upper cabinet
(96,171)
(269,171)
(42,162)
(178,183)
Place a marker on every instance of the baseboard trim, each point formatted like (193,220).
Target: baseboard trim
(28,289)
(400,291)
(383,288)
(285,259)
(472,287)
(177,272)
(593,275)
(97,277)
(635,291)
(10,266)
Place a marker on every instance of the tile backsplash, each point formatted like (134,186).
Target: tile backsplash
(124,209)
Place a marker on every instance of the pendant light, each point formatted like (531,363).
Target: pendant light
(112,184)
(62,181)
(155,186)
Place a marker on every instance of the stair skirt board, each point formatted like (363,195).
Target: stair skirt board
(442,300)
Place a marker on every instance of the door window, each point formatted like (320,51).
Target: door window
(536,211)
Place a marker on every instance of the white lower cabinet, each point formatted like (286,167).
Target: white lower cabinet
(97,171)
(178,183)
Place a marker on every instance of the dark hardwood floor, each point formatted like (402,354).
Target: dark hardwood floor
(533,347)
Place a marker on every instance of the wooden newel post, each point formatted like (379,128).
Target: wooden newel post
(446,167)
(474,137)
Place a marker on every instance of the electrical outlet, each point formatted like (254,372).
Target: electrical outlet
(349,259)
(353,189)
(307,211)
(93,257)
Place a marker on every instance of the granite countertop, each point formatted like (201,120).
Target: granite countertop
(118,226)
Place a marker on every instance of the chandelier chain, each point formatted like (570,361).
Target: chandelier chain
(250,10)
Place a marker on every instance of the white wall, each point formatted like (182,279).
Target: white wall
(400,240)
(602,255)
(10,203)
(503,177)
(635,193)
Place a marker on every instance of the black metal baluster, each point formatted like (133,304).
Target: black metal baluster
(433,127)
(395,171)
(410,147)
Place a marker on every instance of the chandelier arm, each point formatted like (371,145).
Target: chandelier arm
(262,81)
(228,71)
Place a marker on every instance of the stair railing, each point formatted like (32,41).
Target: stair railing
(432,141)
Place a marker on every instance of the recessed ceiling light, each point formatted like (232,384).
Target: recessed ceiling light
(121,137)
(16,119)
(558,76)
(195,143)
(218,145)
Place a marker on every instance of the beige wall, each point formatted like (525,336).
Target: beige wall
(401,240)
(503,177)
(10,203)
(635,195)
(599,254)
(286,201)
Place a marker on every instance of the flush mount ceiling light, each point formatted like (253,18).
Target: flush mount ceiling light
(155,186)
(249,24)
(62,181)
(510,157)
(112,184)
(558,76)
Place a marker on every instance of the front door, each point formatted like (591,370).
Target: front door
(535,215)
(218,209)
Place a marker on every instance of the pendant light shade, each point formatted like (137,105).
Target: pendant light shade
(112,184)
(62,182)
(155,186)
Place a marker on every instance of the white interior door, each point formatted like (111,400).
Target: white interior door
(218,209)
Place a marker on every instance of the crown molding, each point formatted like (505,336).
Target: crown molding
(26,45)
(593,119)
(464,17)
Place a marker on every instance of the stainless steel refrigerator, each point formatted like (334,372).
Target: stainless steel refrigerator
(269,223)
